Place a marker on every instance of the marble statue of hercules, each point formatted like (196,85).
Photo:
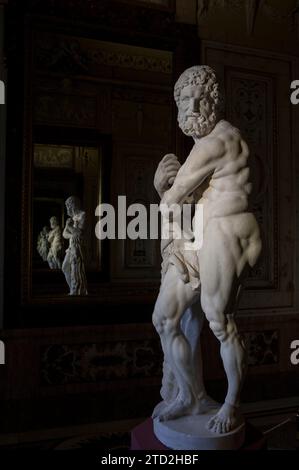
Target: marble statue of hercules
(207,281)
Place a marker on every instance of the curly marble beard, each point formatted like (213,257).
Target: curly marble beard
(197,124)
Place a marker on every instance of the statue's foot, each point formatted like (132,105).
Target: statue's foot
(182,406)
(159,409)
(178,407)
(227,419)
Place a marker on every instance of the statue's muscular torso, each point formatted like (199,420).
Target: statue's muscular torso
(219,159)
(226,189)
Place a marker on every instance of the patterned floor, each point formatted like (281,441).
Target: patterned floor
(281,438)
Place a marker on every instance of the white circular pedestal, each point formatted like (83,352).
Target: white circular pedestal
(190,433)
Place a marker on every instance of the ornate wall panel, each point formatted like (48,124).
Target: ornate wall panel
(66,101)
(105,358)
(262,347)
(135,167)
(257,87)
(73,110)
(143,116)
(251,102)
(142,130)
(95,362)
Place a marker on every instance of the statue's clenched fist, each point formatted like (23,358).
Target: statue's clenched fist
(166,173)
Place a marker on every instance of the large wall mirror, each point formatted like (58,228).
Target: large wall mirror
(61,171)
(91,132)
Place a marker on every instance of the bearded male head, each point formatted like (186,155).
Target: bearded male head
(198,99)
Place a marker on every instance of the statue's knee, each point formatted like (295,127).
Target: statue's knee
(220,330)
(158,322)
(163,324)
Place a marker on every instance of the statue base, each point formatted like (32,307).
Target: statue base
(190,433)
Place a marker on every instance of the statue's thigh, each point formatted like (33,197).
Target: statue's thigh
(217,271)
(66,261)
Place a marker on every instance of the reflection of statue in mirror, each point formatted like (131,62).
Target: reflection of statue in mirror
(56,245)
(73,264)
(204,281)
(43,244)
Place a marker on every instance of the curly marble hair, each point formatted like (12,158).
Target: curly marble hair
(73,201)
(200,75)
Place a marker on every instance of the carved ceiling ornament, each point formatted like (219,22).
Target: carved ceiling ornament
(135,17)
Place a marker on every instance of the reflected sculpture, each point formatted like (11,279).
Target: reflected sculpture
(43,244)
(206,281)
(73,264)
(55,240)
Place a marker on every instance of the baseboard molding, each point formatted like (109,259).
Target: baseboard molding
(69,432)
(270,412)
(261,414)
